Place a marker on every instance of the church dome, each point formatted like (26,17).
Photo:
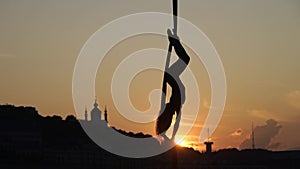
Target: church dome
(96,112)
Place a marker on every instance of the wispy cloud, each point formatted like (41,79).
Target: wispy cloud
(187,124)
(293,99)
(263,114)
(206,104)
(4,54)
(237,132)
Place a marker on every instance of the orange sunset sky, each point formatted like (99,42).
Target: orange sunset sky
(257,40)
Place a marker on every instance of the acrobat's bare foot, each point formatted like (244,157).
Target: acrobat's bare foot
(173,39)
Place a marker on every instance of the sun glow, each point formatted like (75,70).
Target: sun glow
(181,143)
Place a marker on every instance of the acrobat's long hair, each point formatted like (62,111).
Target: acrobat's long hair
(165,119)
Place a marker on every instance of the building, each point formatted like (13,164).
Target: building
(208,146)
(96,112)
(97,116)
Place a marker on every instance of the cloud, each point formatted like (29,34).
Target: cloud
(293,99)
(6,55)
(263,136)
(263,114)
(237,132)
(274,145)
(206,104)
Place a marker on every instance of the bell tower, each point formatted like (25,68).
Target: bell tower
(85,114)
(105,115)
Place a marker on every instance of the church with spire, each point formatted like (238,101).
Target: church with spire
(96,114)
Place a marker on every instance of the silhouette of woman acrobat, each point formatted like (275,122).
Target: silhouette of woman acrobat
(178,90)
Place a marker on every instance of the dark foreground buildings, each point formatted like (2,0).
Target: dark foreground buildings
(31,141)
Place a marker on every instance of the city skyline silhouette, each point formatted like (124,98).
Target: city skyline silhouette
(35,141)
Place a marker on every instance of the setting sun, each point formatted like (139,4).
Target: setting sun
(181,143)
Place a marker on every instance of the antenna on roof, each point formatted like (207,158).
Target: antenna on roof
(253,144)
(207,134)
